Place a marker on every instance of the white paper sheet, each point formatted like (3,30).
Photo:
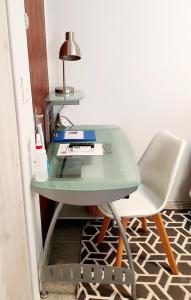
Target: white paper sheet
(64,150)
(75,135)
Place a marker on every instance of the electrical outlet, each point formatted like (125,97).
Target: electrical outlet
(64,121)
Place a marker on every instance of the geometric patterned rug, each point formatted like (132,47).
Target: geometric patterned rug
(154,280)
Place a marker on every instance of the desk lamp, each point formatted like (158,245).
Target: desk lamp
(68,51)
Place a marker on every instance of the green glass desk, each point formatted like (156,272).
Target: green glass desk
(103,179)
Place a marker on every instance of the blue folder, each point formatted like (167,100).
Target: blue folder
(59,136)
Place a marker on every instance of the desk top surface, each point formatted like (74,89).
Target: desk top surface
(116,169)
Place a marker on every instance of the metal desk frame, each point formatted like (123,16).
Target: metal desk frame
(82,272)
(74,271)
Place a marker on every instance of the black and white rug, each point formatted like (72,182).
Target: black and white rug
(153,277)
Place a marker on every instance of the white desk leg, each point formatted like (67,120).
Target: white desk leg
(46,247)
(128,250)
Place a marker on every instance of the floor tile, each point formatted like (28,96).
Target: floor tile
(65,252)
(61,297)
(64,288)
(68,230)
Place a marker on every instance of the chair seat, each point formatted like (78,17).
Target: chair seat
(141,203)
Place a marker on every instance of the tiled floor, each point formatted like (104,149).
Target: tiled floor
(65,248)
(66,240)
(60,296)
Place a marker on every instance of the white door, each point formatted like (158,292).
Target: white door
(15,281)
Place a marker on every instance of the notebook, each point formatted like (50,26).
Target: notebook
(60,136)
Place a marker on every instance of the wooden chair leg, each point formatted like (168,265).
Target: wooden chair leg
(144,224)
(103,230)
(165,242)
(120,245)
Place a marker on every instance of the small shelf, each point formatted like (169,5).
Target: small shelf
(76,212)
(68,99)
(54,99)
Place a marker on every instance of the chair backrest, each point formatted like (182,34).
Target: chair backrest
(159,163)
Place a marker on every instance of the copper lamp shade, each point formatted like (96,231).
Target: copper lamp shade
(69,51)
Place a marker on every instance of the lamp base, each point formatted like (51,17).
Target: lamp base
(64,90)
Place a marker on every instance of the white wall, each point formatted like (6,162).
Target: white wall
(135,68)
(22,91)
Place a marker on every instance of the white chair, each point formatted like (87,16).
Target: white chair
(158,168)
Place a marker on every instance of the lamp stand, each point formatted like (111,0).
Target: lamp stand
(64,89)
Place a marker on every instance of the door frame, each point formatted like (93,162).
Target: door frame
(15,43)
